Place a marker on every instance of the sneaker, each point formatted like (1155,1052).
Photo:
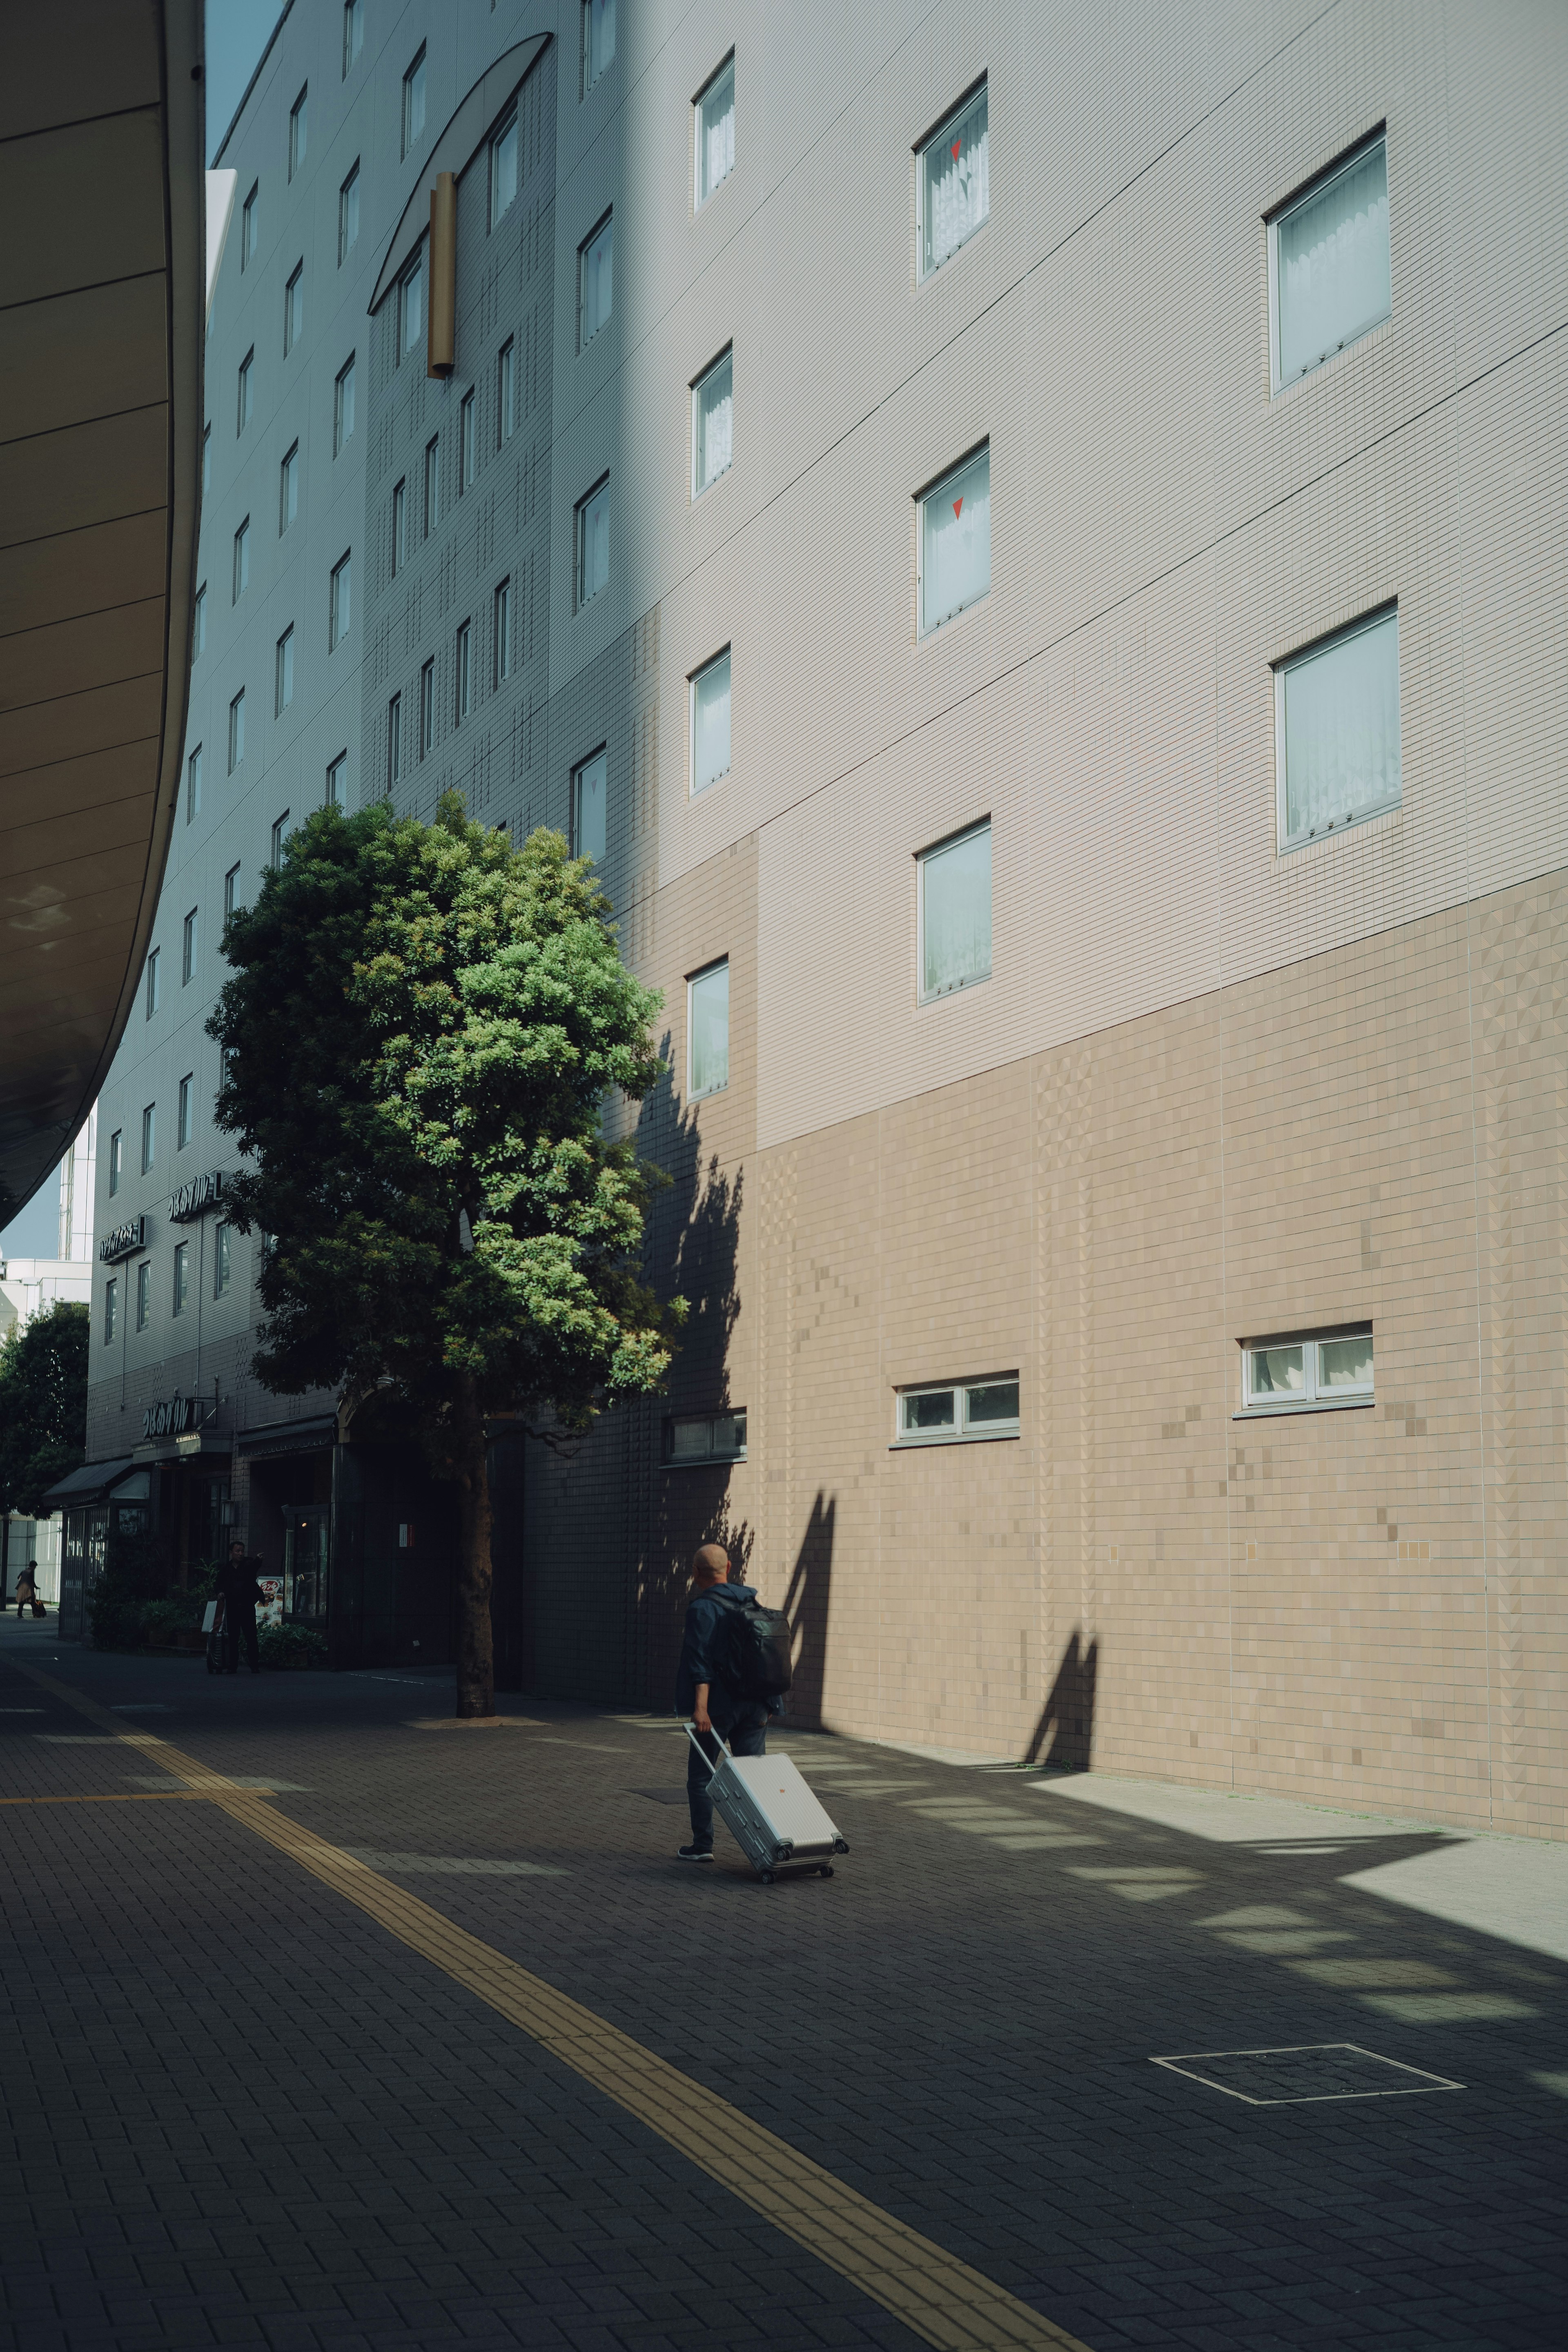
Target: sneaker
(696,1854)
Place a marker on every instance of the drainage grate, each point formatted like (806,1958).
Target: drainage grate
(1320,2070)
(660,1796)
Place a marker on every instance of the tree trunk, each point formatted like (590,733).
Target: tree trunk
(475,1650)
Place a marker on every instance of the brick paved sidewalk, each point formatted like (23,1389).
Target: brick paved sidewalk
(241,2113)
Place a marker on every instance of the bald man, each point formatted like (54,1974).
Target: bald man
(700,1691)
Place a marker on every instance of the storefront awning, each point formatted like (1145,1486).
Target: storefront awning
(87,1485)
(307,1436)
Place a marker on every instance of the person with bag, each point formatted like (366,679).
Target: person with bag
(236,1582)
(733,1672)
(27,1591)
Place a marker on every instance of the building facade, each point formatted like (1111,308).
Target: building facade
(1050,640)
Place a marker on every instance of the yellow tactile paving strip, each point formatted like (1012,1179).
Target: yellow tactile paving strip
(121,1797)
(934,2295)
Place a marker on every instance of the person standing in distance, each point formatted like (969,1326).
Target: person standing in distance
(703,1692)
(237,1580)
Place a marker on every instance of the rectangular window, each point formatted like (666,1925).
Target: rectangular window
(149,1135)
(284,683)
(221,1261)
(691,1438)
(593,542)
(707,1031)
(959,1409)
(590,792)
(247,225)
(715,110)
(185,1112)
(294,309)
(414,103)
(348,216)
(1296,1373)
(712,415)
(955,542)
(340,605)
(503,631)
(343,405)
(394,740)
(955,913)
(143,1294)
(288,489)
(426,708)
(353,32)
(111,1310)
(230,891)
(1336,730)
(464,672)
(410,309)
(506,392)
(299,126)
(432,485)
(598,40)
(711,721)
(280,836)
(155,984)
(596,280)
(399,525)
(181,1276)
(199,625)
(242,560)
(237,730)
(188,947)
(466,443)
(194,785)
(116,1160)
(206,459)
(1328,263)
(337,780)
(503,168)
(246,395)
(954,183)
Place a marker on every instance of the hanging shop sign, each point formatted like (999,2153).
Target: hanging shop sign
(169,1416)
(201,1192)
(130,1236)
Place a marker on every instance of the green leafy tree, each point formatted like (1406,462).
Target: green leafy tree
(422,1028)
(43,1405)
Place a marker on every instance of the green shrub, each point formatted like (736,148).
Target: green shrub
(292,1646)
(119,1616)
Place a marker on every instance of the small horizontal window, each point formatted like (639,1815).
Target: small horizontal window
(1308,1372)
(959,1409)
(704,1437)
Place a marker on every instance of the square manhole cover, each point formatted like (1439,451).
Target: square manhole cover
(1318,2070)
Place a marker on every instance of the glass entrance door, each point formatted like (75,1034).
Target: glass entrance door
(305,1564)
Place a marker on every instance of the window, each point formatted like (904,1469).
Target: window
(188,947)
(466,443)
(394,740)
(143,1294)
(503,168)
(206,459)
(464,672)
(299,124)
(247,226)
(712,411)
(711,721)
(1328,263)
(596,281)
(340,603)
(294,309)
(285,672)
(410,309)
(1336,730)
(399,525)
(691,1438)
(503,631)
(353,32)
(348,216)
(337,780)
(715,108)
(1309,1372)
(343,405)
(414,102)
(280,836)
(242,560)
(959,1409)
(149,1135)
(593,542)
(432,485)
(194,785)
(427,708)
(199,624)
(955,542)
(598,40)
(116,1160)
(955,913)
(288,489)
(181,1276)
(246,397)
(237,730)
(184,1111)
(954,182)
(221,1261)
(111,1310)
(707,1031)
(589,792)
(154,985)
(230,891)
(506,392)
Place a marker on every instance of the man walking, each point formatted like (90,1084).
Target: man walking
(703,1691)
(236,1582)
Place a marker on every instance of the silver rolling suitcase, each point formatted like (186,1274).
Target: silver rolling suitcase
(770,1812)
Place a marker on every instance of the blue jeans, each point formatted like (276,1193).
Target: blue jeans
(746,1733)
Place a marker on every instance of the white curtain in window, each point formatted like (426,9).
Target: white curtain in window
(708,1043)
(1340,711)
(594,554)
(956,530)
(711,723)
(598,39)
(716,131)
(589,816)
(503,170)
(955,914)
(412,299)
(1331,263)
(598,280)
(957,184)
(715,416)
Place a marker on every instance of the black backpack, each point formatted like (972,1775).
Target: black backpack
(757,1648)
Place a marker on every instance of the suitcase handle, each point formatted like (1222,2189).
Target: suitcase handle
(690,1731)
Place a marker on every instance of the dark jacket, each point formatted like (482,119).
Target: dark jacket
(236,1582)
(703,1654)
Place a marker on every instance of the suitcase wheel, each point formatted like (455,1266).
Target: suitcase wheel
(840,1846)
(767,1877)
(825,1871)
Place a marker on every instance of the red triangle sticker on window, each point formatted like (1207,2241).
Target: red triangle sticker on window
(958,506)
(956,145)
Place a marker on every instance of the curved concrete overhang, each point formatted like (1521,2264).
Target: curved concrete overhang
(102,330)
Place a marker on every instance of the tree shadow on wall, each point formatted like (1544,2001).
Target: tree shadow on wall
(805,1606)
(1069,1711)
